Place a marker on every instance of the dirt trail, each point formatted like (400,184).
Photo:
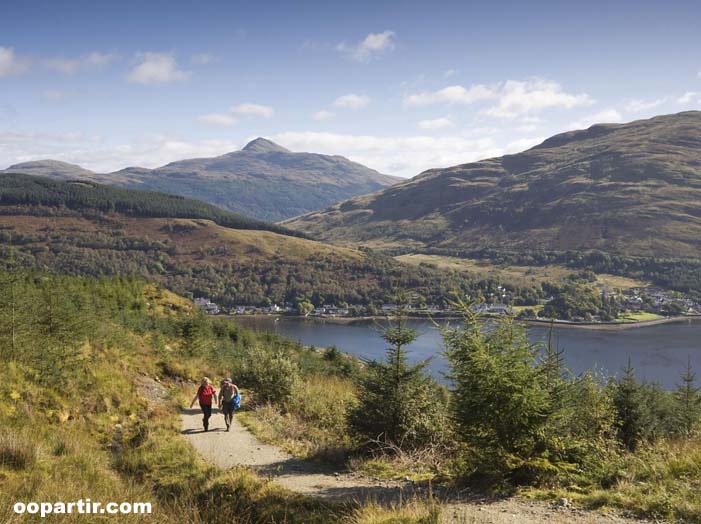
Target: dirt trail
(239,447)
(515,511)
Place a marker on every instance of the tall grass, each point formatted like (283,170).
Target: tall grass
(313,423)
(16,452)
(661,481)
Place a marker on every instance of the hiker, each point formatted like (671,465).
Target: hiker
(228,394)
(205,394)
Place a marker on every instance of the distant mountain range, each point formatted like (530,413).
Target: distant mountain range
(263,180)
(633,189)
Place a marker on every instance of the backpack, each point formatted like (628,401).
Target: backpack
(236,401)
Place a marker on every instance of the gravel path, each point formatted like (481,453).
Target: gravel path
(239,447)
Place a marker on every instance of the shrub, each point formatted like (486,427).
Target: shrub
(271,374)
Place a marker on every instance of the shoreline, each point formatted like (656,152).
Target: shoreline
(613,326)
(602,326)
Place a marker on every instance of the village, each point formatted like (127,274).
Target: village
(652,301)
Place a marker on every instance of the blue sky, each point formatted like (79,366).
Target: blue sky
(399,86)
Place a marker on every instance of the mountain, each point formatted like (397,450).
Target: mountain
(263,180)
(52,168)
(631,189)
(84,228)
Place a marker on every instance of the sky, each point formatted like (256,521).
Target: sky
(399,86)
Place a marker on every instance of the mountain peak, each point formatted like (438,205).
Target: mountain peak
(56,168)
(46,162)
(263,145)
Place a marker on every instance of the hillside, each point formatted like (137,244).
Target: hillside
(80,228)
(263,180)
(39,192)
(629,189)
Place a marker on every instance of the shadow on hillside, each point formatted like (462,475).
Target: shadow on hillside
(197,411)
(334,485)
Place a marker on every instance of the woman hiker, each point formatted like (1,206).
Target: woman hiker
(205,394)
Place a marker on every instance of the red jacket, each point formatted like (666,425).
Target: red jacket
(205,395)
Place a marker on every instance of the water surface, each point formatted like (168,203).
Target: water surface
(658,353)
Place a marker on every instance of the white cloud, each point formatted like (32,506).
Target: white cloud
(371,46)
(526,128)
(351,101)
(11,64)
(689,97)
(250,109)
(522,144)
(323,115)
(93,152)
(518,98)
(436,123)
(217,119)
(54,95)
(606,116)
(156,68)
(203,59)
(450,72)
(229,118)
(69,66)
(637,104)
(451,95)
(399,155)
(514,98)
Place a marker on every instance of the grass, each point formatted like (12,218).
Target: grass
(517,309)
(407,467)
(619,282)
(517,275)
(660,482)
(413,512)
(313,425)
(640,316)
(16,452)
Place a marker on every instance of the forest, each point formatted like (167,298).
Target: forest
(44,196)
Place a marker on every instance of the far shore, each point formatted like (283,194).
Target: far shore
(613,326)
(605,326)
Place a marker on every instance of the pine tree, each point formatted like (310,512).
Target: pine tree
(501,403)
(632,417)
(553,367)
(15,315)
(688,402)
(399,402)
(61,326)
(196,332)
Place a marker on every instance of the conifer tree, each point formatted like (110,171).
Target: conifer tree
(688,402)
(500,403)
(632,417)
(399,404)
(15,324)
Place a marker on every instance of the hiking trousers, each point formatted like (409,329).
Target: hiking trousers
(206,412)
